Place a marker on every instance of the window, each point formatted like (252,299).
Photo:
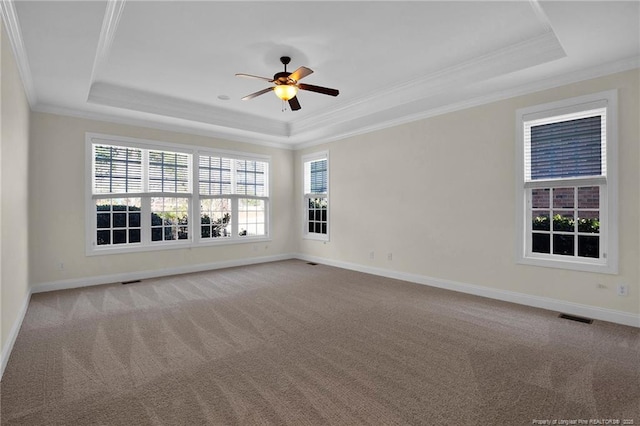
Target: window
(233,197)
(567,184)
(143,196)
(117,221)
(316,196)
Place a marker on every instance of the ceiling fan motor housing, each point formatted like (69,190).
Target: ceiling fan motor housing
(281,77)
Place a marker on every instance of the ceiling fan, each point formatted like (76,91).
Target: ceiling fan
(287,85)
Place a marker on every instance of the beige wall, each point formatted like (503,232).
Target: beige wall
(409,191)
(57,197)
(406,190)
(14,230)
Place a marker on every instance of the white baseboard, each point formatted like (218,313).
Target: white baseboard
(141,275)
(114,278)
(13,334)
(587,311)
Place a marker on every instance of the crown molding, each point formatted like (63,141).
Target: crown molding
(374,123)
(10,19)
(137,100)
(407,101)
(534,51)
(218,133)
(113,95)
(543,19)
(110,22)
(364,125)
(527,53)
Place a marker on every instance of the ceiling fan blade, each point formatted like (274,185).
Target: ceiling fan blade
(253,95)
(318,89)
(294,104)
(300,73)
(270,80)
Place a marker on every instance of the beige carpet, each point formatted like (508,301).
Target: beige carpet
(290,343)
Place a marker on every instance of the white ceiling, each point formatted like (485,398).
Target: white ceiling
(165,64)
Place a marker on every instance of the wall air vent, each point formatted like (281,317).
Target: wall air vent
(575,318)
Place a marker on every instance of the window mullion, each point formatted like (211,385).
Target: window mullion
(126,170)
(234,188)
(575,222)
(145,202)
(235,216)
(267,217)
(528,221)
(551,214)
(195,213)
(145,220)
(145,170)
(549,183)
(603,214)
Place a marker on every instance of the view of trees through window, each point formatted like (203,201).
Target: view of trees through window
(118,221)
(566,221)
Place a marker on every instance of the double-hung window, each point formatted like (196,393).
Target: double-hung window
(233,196)
(139,196)
(567,186)
(316,196)
(146,195)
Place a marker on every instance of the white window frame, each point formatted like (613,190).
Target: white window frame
(234,197)
(608,262)
(194,240)
(323,155)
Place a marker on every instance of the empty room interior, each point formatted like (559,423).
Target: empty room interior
(319,212)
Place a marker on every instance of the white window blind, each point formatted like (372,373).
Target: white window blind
(225,176)
(567,146)
(169,172)
(251,177)
(215,175)
(315,177)
(117,170)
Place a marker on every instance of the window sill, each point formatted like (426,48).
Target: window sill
(602,268)
(315,237)
(179,245)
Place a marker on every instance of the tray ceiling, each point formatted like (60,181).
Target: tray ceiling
(172,64)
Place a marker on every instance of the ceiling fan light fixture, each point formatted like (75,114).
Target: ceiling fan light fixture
(287,85)
(285,91)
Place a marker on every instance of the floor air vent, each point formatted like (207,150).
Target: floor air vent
(575,318)
(130,282)
(311,263)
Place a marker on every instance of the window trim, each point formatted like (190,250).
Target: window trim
(306,235)
(609,197)
(195,239)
